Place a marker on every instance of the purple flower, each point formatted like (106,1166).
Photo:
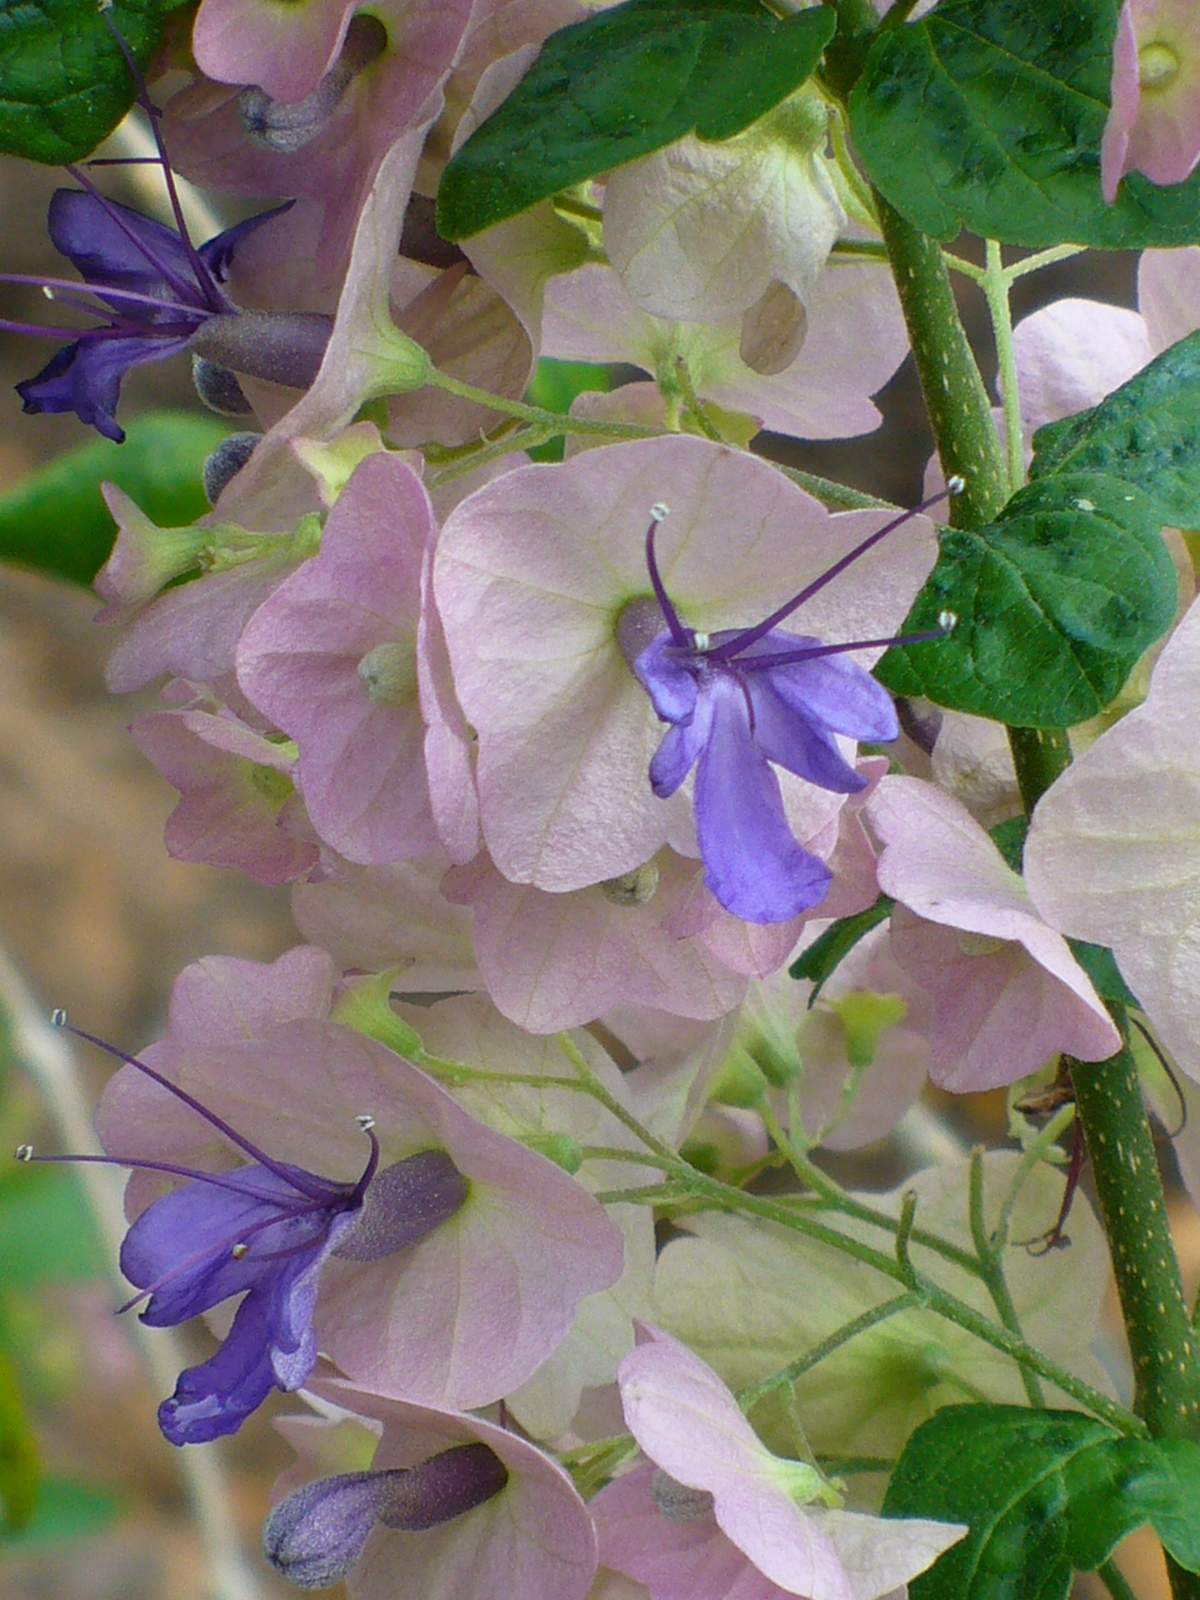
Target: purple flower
(739,701)
(154,287)
(262,1230)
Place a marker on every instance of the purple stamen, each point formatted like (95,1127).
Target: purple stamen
(321,1188)
(219,1180)
(185,288)
(811,652)
(742,641)
(204,279)
(105,293)
(680,635)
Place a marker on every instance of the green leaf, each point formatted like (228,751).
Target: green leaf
(818,962)
(1056,600)
(46,1231)
(1147,432)
(63,1511)
(988,114)
(64,84)
(1045,1493)
(19,1465)
(55,520)
(1170,1495)
(620,85)
(1009,839)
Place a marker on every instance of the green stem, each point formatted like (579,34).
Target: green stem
(1162,1343)
(933,1297)
(1043,258)
(1115,1582)
(526,439)
(838,496)
(840,1336)
(991,1262)
(1033,1153)
(995,286)
(558,422)
(957,402)
(1040,755)
(840,1200)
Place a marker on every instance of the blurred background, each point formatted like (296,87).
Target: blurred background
(98,919)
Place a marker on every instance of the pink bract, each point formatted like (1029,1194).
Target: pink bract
(331,658)
(1007,993)
(1113,853)
(237,804)
(1154,124)
(854,341)
(532,576)
(689,1424)
(285,50)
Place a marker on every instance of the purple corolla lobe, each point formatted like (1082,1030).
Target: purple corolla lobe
(156,289)
(738,702)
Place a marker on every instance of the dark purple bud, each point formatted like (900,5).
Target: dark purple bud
(444,1487)
(281,347)
(316,1535)
(278,125)
(226,461)
(403,1204)
(219,389)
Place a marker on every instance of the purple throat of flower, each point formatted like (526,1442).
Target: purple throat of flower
(156,294)
(264,1227)
(316,1535)
(740,703)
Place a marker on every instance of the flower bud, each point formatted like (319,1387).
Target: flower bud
(226,461)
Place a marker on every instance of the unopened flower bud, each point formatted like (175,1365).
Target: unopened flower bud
(316,1535)
(219,389)
(226,461)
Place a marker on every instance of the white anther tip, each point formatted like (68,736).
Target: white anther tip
(23,1152)
(240,1250)
(956,484)
(58,1018)
(659,512)
(947,621)
(366,1122)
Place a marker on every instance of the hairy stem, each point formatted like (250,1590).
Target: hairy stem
(955,398)
(840,1336)
(996,284)
(1040,755)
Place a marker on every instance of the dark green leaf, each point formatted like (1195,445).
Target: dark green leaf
(818,961)
(1170,1496)
(64,1511)
(19,1466)
(988,114)
(55,520)
(1009,839)
(64,84)
(46,1231)
(621,84)
(1044,1493)
(1147,432)
(1056,600)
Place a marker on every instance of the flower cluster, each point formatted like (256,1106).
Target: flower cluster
(579,772)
